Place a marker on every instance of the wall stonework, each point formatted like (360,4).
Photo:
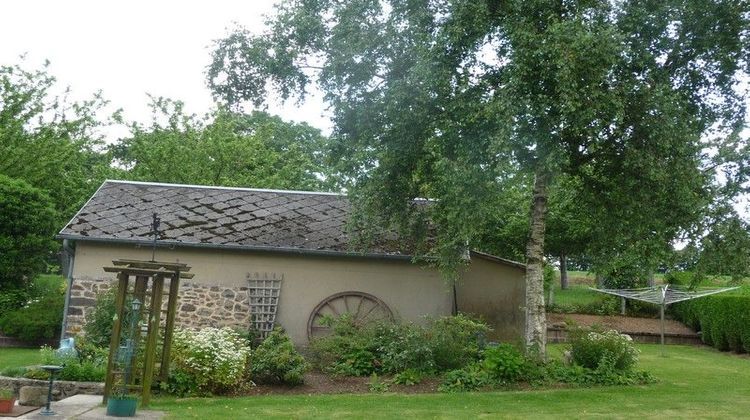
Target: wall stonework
(213,306)
(198,305)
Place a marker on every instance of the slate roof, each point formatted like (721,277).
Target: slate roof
(221,217)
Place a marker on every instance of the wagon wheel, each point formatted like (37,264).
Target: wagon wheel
(363,308)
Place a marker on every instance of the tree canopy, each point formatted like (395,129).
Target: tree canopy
(27,218)
(49,141)
(447,99)
(224,148)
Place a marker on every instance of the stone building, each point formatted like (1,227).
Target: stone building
(280,254)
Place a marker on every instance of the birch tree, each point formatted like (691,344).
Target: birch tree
(447,99)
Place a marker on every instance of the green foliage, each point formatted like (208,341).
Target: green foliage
(726,249)
(99,323)
(36,373)
(724,320)
(393,347)
(504,363)
(608,349)
(224,148)
(377,385)
(501,90)
(604,374)
(27,222)
(456,340)
(12,299)
(39,317)
(470,378)
(690,279)
(209,361)
(581,300)
(277,361)
(13,371)
(81,367)
(407,377)
(49,142)
(549,276)
(403,346)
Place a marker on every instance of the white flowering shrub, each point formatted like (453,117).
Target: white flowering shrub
(208,361)
(592,348)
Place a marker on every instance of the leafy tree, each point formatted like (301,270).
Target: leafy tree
(726,249)
(223,148)
(49,141)
(27,218)
(442,98)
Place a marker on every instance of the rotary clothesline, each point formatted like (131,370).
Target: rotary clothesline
(663,295)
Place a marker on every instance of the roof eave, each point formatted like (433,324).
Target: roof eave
(501,260)
(281,250)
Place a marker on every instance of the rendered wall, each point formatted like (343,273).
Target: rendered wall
(217,295)
(495,291)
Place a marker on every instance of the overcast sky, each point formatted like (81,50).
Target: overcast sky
(129,49)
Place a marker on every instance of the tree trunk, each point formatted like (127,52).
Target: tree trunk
(599,281)
(536,325)
(563,271)
(651,279)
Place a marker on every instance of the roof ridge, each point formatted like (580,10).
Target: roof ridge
(214,187)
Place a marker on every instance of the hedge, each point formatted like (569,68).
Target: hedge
(724,320)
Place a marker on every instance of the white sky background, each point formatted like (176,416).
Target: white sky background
(129,49)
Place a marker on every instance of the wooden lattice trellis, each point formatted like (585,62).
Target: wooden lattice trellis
(264,292)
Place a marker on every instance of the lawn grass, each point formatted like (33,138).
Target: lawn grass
(693,382)
(18,357)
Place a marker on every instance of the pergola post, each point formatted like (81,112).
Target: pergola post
(114,343)
(174,287)
(143,271)
(154,317)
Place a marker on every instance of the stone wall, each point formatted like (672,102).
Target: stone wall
(60,389)
(198,305)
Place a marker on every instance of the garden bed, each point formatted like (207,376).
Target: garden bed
(323,383)
(622,324)
(642,330)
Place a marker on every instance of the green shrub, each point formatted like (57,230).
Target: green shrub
(12,300)
(39,319)
(407,377)
(505,363)
(99,323)
(35,373)
(724,320)
(74,367)
(209,361)
(392,347)
(607,305)
(592,348)
(469,378)
(403,346)
(684,278)
(456,341)
(377,385)
(13,371)
(277,361)
(604,374)
(27,225)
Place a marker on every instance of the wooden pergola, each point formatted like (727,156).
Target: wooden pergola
(148,287)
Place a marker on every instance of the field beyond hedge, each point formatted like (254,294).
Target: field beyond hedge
(693,382)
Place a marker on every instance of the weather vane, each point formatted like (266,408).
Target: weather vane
(154,231)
